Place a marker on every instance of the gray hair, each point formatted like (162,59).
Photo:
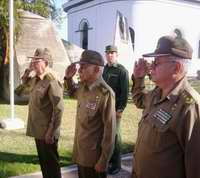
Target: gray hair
(185,63)
(101,69)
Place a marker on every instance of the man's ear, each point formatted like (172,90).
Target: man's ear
(46,63)
(96,69)
(178,67)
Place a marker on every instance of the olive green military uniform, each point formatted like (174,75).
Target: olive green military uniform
(116,76)
(95,123)
(45,106)
(168,143)
(25,88)
(45,110)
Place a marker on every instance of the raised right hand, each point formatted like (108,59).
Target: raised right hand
(25,76)
(70,71)
(140,68)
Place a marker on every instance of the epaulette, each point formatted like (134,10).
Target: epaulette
(104,89)
(49,77)
(187,97)
(121,67)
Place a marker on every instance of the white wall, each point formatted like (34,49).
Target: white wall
(149,19)
(154,19)
(102,19)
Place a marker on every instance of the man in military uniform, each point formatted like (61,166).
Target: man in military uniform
(116,76)
(169,131)
(45,112)
(95,119)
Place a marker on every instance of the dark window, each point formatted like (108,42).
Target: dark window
(85,36)
(84,28)
(132,34)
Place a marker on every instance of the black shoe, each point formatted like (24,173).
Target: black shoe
(113,170)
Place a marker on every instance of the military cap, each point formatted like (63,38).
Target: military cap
(41,54)
(175,46)
(111,48)
(91,57)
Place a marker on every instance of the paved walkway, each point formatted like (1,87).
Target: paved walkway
(71,171)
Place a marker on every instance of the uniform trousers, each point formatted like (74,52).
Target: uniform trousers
(89,172)
(115,160)
(48,158)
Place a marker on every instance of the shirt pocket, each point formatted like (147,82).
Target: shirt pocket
(161,136)
(81,112)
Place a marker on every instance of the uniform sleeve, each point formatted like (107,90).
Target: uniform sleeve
(124,88)
(191,138)
(56,97)
(25,87)
(71,87)
(109,121)
(138,92)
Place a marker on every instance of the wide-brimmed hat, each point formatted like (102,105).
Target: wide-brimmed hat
(91,57)
(175,46)
(41,53)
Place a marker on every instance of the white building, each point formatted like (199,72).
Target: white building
(92,24)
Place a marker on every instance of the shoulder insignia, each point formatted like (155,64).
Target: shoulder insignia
(107,89)
(121,67)
(103,88)
(49,77)
(188,98)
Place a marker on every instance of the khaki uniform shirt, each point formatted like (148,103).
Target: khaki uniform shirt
(45,105)
(168,143)
(95,123)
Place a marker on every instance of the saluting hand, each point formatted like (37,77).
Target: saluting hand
(27,72)
(140,68)
(70,71)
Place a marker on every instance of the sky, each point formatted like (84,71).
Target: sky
(63,30)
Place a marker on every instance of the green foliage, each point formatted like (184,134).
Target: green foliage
(4,14)
(44,8)
(195,84)
(4,28)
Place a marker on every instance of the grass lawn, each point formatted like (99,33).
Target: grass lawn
(18,153)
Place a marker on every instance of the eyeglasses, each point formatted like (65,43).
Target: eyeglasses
(84,66)
(37,60)
(156,64)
